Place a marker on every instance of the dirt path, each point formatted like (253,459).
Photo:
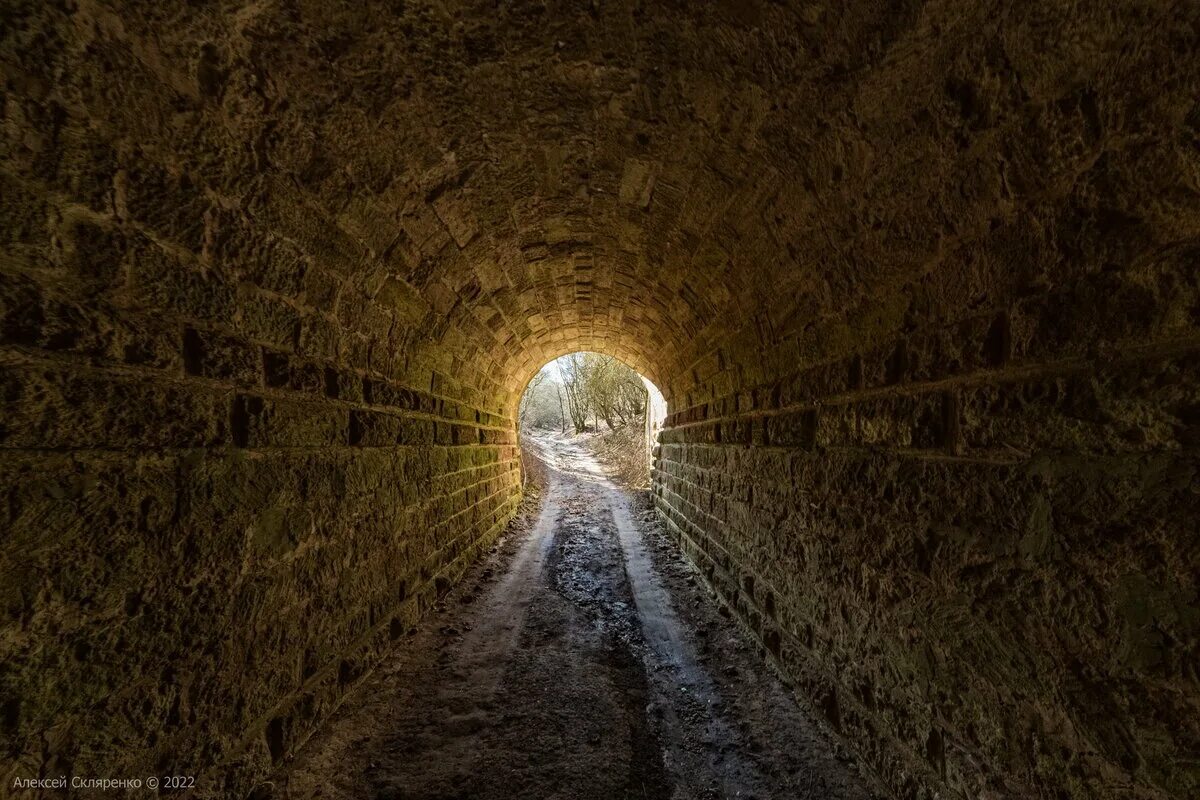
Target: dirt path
(581,659)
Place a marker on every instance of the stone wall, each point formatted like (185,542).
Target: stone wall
(209,533)
(226,493)
(918,281)
(974,547)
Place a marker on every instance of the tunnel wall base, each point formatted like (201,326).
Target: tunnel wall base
(984,578)
(205,549)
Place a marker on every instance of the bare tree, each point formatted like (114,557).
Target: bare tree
(562,412)
(529,397)
(598,387)
(575,371)
(583,389)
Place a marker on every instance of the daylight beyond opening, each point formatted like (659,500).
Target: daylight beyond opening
(601,402)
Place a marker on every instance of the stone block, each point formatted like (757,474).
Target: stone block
(224,358)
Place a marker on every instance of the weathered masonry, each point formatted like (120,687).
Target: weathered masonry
(920,282)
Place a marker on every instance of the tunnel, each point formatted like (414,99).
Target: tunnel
(919,282)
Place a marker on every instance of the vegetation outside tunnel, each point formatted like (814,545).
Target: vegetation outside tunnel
(584,389)
(613,409)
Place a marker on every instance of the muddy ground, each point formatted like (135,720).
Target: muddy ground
(582,658)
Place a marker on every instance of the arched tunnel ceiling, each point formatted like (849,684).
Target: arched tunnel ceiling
(918,281)
(689,186)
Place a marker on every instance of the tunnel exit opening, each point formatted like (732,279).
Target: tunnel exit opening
(597,401)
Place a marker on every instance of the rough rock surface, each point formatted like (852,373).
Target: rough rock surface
(918,280)
(581,658)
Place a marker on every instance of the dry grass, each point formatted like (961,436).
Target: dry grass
(623,453)
(533,472)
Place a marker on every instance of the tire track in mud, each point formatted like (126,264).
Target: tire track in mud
(587,568)
(580,660)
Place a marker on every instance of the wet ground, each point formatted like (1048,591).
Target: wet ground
(581,659)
